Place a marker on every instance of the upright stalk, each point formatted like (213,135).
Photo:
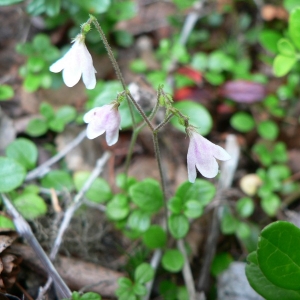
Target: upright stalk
(114,63)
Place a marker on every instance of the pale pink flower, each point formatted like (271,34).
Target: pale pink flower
(100,119)
(75,62)
(202,154)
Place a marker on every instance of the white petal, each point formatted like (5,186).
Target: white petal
(94,131)
(88,70)
(71,75)
(89,78)
(88,117)
(58,65)
(220,153)
(191,163)
(208,168)
(112,136)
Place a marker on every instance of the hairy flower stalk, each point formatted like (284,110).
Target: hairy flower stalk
(202,154)
(76,62)
(104,119)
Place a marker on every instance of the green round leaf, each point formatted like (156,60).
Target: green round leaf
(178,225)
(201,190)
(56,125)
(286,48)
(155,237)
(30,206)
(36,127)
(242,122)
(198,116)
(143,273)
(175,205)
(66,114)
(193,209)
(6,92)
(147,195)
(245,207)
(12,174)
(268,130)
(228,224)
(173,260)
(283,64)
(99,190)
(294,26)
(269,39)
(94,6)
(117,208)
(278,254)
(263,286)
(270,204)
(220,263)
(6,223)
(139,220)
(139,289)
(32,82)
(58,180)
(23,151)
(90,296)
(243,230)
(47,110)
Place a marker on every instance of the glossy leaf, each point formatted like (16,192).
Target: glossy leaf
(30,206)
(283,64)
(6,92)
(245,207)
(155,237)
(270,204)
(139,220)
(178,225)
(58,180)
(201,190)
(278,254)
(117,208)
(173,260)
(147,195)
(242,122)
(6,223)
(263,286)
(286,48)
(268,130)
(12,174)
(23,151)
(193,209)
(99,190)
(198,115)
(220,263)
(143,273)
(294,27)
(36,127)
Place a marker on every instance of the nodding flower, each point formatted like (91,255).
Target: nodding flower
(202,154)
(104,119)
(76,62)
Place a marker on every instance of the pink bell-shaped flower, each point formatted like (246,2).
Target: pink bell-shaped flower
(75,62)
(104,119)
(202,154)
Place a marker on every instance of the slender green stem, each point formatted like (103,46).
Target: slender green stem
(162,179)
(134,136)
(114,63)
(141,112)
(163,123)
